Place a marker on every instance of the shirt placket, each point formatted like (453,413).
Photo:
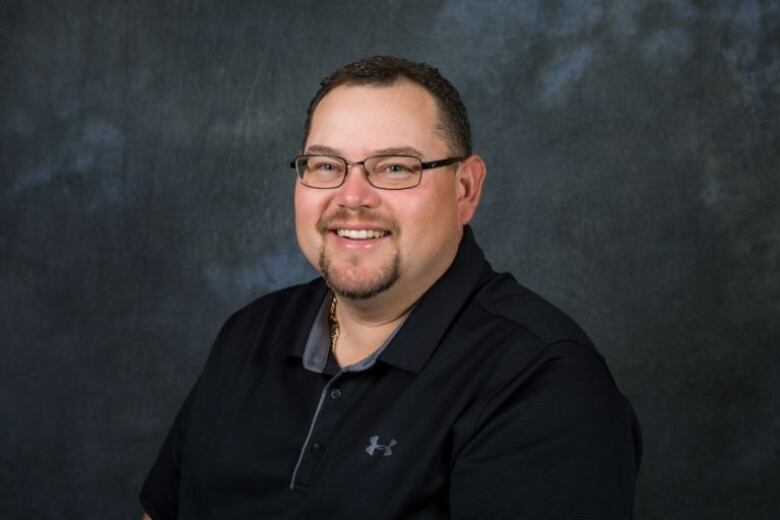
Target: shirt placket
(325,420)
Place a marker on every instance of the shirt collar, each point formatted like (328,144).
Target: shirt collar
(317,348)
(430,318)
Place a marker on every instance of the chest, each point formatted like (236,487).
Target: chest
(293,439)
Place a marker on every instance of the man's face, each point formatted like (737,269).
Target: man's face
(366,240)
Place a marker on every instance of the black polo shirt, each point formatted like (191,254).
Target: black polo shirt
(487,402)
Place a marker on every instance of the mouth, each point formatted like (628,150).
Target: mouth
(361,234)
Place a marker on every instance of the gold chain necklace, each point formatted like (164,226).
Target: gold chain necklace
(334,325)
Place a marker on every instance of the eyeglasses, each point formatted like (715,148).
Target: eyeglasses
(386,172)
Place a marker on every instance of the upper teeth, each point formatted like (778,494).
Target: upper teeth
(360,234)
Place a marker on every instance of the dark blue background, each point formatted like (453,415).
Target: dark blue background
(144,195)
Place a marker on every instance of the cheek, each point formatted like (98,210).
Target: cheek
(307,214)
(306,217)
(307,205)
(427,221)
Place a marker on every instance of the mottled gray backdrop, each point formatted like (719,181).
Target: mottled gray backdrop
(634,163)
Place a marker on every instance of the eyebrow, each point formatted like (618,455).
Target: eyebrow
(400,150)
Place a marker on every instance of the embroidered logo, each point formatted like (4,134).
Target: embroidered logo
(386,449)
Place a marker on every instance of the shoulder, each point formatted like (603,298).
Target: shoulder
(503,298)
(261,322)
(275,305)
(539,371)
(548,414)
(516,344)
(512,331)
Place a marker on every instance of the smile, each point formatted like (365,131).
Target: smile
(361,234)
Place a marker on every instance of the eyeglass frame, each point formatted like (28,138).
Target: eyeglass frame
(424,165)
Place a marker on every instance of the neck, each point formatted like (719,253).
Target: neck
(380,309)
(364,325)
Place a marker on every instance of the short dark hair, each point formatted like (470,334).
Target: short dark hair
(384,71)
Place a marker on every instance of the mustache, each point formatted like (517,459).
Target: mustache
(363,215)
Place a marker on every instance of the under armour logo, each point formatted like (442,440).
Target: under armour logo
(387,449)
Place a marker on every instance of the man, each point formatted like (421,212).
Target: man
(410,381)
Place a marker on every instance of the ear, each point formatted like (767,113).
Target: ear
(470,176)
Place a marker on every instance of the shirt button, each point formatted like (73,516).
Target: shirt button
(316,446)
(335,393)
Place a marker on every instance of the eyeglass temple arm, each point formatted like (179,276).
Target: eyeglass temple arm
(444,162)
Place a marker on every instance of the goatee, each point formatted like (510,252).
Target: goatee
(359,291)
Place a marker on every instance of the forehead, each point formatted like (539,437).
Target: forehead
(362,118)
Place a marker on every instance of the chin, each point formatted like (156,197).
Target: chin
(348,283)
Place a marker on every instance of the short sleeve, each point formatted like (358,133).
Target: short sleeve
(559,441)
(159,494)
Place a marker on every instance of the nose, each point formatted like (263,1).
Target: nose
(356,190)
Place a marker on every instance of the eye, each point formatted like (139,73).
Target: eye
(397,168)
(324,165)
